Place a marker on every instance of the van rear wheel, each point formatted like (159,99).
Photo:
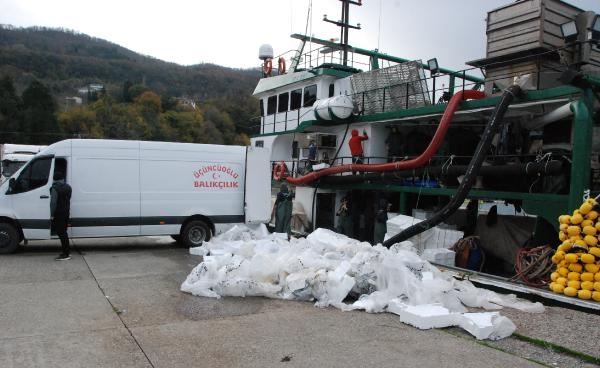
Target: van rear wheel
(9,238)
(195,233)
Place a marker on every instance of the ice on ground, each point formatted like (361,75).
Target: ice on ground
(327,267)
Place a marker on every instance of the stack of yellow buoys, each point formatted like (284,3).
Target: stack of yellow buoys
(577,258)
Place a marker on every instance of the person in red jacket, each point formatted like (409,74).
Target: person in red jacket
(356,149)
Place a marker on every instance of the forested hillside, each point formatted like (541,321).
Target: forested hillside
(140,97)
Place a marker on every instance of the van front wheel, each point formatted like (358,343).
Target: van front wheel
(9,238)
(195,233)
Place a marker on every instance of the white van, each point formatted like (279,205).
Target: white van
(131,188)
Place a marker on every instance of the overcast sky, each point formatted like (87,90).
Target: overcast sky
(230,32)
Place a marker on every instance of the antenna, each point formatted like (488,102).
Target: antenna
(345,26)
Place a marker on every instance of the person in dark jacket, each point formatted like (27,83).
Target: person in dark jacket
(381,218)
(345,224)
(60,207)
(283,210)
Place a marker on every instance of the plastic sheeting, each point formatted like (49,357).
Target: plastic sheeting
(327,268)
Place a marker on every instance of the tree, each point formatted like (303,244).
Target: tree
(80,122)
(11,109)
(40,125)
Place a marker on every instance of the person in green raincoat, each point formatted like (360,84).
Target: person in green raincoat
(345,219)
(283,210)
(381,218)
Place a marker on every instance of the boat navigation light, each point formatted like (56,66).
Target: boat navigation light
(433,66)
(596,28)
(569,31)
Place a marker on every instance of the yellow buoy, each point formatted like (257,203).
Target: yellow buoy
(557,288)
(587,258)
(562,280)
(594,251)
(589,230)
(563,271)
(574,284)
(586,222)
(565,246)
(554,276)
(596,276)
(576,218)
(573,230)
(586,276)
(575,267)
(569,291)
(584,294)
(591,268)
(597,285)
(585,208)
(573,276)
(592,215)
(590,240)
(587,285)
(571,258)
(596,296)
(564,219)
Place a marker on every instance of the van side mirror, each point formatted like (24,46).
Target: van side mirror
(11,185)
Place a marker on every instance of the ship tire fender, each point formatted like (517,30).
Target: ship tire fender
(281,65)
(279,170)
(267,67)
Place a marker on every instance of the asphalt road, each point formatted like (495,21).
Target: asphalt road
(117,303)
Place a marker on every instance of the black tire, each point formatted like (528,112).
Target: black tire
(177,238)
(9,238)
(195,233)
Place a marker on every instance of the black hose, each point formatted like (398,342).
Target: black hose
(470,175)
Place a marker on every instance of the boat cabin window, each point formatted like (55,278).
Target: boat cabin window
(271,105)
(296,100)
(262,107)
(310,95)
(34,175)
(259,144)
(284,100)
(331,90)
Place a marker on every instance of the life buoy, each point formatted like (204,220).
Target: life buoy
(267,67)
(281,66)
(279,170)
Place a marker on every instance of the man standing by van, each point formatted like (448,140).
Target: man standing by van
(60,203)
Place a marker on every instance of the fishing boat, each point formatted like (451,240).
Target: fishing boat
(498,157)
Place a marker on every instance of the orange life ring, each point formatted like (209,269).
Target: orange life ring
(267,67)
(279,170)
(281,66)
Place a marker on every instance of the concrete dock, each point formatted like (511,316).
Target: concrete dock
(117,303)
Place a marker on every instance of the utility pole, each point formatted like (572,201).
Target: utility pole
(345,26)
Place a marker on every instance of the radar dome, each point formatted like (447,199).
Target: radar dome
(265,52)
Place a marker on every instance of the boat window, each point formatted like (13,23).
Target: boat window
(271,105)
(34,175)
(284,100)
(331,90)
(310,95)
(296,100)
(262,107)
(259,144)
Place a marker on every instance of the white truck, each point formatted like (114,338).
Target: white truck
(132,188)
(13,156)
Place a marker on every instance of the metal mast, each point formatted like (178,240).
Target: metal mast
(345,26)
